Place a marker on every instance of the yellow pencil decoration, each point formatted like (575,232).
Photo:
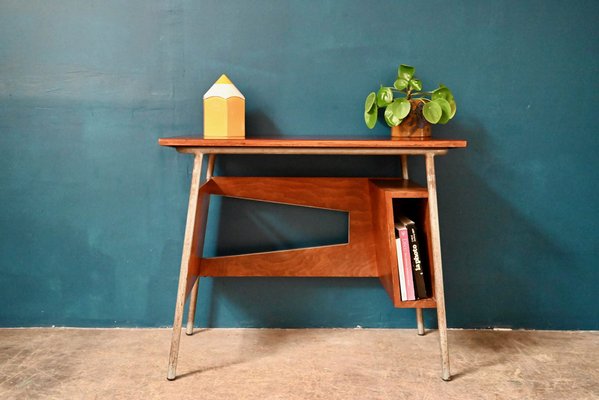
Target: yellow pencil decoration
(224,111)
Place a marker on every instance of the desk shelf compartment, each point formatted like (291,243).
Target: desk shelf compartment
(391,198)
(370,252)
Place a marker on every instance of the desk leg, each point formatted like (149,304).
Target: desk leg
(436,246)
(190,229)
(193,299)
(420,321)
(406,175)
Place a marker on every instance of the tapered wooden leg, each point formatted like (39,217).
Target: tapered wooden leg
(405,174)
(190,229)
(193,300)
(404,167)
(420,321)
(436,257)
(193,296)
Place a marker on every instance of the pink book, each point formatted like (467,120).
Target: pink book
(407,263)
(400,268)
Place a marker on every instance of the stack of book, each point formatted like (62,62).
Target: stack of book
(413,281)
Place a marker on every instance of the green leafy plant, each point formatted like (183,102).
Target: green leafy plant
(438,106)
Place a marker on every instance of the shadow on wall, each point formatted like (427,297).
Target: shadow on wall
(489,245)
(247,226)
(283,302)
(487,248)
(259,125)
(303,303)
(162,286)
(47,289)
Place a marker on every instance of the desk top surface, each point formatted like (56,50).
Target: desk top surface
(314,143)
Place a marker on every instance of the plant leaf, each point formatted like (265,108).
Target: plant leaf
(405,72)
(400,108)
(416,84)
(400,84)
(449,94)
(370,117)
(432,112)
(453,106)
(370,99)
(384,96)
(391,118)
(442,92)
(445,108)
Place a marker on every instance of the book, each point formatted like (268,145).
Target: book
(403,253)
(400,266)
(416,255)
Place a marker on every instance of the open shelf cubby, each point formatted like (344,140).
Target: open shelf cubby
(391,198)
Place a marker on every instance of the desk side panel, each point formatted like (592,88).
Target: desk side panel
(355,259)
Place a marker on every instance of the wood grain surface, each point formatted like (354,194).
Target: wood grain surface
(354,259)
(383,191)
(196,141)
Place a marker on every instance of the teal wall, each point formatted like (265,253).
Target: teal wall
(92,210)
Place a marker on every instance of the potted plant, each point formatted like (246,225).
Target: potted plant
(409,110)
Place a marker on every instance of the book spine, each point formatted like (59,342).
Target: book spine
(419,281)
(400,267)
(407,264)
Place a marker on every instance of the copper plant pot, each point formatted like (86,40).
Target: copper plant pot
(414,126)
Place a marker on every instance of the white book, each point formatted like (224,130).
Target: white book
(400,267)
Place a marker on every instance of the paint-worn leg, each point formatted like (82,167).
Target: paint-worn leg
(420,321)
(193,300)
(436,257)
(404,167)
(193,296)
(190,228)
(406,175)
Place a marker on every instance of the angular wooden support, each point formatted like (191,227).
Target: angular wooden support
(351,195)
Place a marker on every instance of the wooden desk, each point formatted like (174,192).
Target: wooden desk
(370,250)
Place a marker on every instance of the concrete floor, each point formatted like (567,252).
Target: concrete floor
(297,364)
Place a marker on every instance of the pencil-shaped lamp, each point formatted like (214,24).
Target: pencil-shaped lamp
(224,111)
